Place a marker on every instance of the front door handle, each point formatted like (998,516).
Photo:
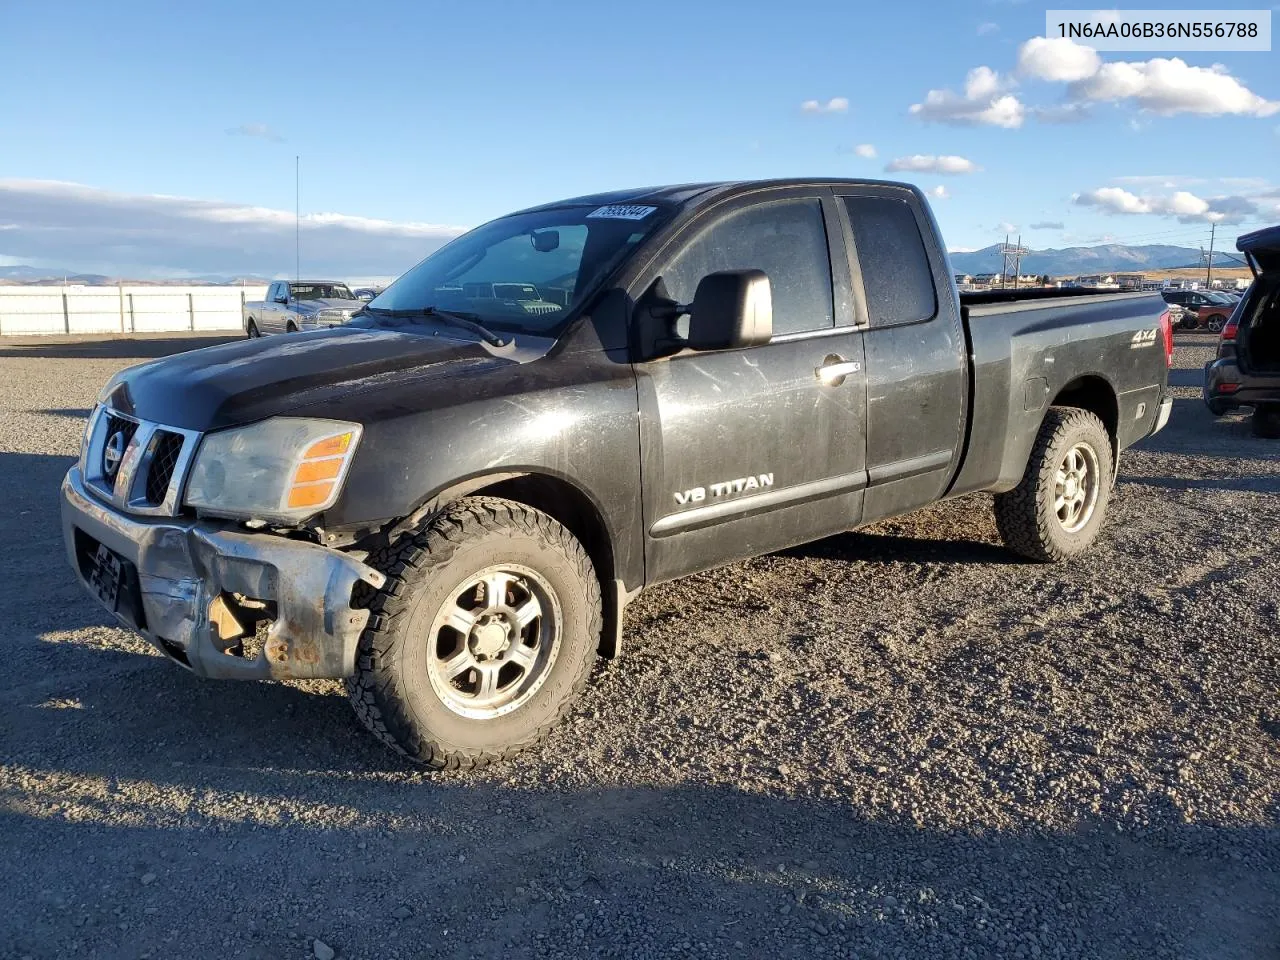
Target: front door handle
(835,368)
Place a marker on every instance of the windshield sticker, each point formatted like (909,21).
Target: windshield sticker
(621,211)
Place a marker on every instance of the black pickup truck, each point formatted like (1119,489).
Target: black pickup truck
(450,500)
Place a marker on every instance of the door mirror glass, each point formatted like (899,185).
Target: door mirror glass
(732,308)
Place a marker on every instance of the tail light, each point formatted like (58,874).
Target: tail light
(1166,327)
(1229,331)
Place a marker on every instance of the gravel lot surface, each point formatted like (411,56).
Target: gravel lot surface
(901,742)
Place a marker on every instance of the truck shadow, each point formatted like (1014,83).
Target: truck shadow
(888,548)
(110,348)
(205,787)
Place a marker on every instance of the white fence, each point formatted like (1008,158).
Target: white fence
(122,309)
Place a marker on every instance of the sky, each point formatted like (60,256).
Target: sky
(159,139)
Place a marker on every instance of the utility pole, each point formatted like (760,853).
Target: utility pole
(1012,253)
(1208,270)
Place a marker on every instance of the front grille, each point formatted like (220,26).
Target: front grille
(145,461)
(116,424)
(164,457)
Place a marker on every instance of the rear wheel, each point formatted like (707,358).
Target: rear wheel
(1266,422)
(1217,407)
(482,636)
(1216,323)
(291,327)
(1057,509)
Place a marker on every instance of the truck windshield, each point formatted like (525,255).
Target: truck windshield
(524,272)
(320,291)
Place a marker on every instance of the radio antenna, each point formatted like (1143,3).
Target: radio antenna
(297,219)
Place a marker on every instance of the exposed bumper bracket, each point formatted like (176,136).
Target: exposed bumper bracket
(185,568)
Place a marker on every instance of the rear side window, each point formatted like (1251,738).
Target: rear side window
(787,239)
(896,276)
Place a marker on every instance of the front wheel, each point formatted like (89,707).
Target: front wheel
(482,636)
(1057,509)
(1216,323)
(252,330)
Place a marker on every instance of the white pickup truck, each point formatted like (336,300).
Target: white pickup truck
(300,305)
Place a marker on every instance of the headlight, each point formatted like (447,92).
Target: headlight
(282,469)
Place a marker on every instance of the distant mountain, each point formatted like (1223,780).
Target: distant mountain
(46,276)
(1073,261)
(24,274)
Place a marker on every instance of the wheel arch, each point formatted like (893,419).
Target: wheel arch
(566,503)
(1094,393)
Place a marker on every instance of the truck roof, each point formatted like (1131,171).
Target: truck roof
(698,193)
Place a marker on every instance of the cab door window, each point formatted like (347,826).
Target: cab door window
(787,239)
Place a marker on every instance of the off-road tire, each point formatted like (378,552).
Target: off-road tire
(1025,515)
(397,703)
(1266,422)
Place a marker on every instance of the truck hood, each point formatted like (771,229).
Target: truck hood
(334,303)
(249,380)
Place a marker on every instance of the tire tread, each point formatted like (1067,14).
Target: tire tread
(1023,526)
(414,558)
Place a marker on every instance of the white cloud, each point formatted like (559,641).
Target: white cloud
(1169,87)
(260,130)
(983,102)
(939,192)
(834,105)
(865,150)
(1112,200)
(1182,204)
(927,163)
(1047,225)
(984,29)
(79,227)
(1006,227)
(1159,86)
(1059,59)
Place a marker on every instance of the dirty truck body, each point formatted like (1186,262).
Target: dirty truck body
(449,500)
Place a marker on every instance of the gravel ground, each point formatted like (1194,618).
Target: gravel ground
(901,742)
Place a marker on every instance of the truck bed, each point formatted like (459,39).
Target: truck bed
(1017,343)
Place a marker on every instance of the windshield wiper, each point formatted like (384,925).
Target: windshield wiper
(467,321)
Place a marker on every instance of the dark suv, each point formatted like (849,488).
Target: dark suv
(1246,372)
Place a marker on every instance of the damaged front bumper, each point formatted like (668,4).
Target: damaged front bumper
(201,593)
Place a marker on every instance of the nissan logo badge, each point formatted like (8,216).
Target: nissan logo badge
(112,454)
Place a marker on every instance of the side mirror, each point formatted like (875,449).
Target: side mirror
(733,308)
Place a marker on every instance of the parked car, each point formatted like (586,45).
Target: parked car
(1246,371)
(450,500)
(1179,315)
(1203,308)
(300,305)
(365,294)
